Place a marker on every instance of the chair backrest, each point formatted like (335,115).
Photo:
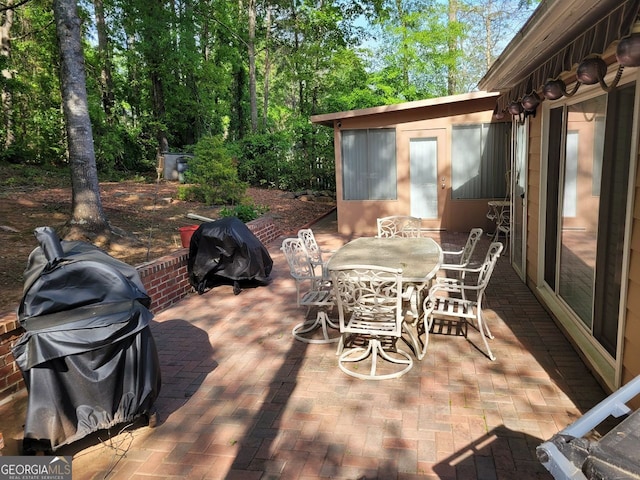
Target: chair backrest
(504,221)
(309,242)
(474,235)
(298,259)
(489,265)
(399,226)
(370,293)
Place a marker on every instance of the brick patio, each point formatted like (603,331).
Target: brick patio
(241,399)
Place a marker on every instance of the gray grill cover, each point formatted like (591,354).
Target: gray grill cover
(88,358)
(226,252)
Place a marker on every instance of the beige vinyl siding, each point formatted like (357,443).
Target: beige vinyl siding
(631,342)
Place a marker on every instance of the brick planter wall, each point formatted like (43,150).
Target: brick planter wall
(165,279)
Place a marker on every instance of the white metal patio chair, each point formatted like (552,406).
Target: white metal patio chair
(448,299)
(464,254)
(503,226)
(449,270)
(312,291)
(457,269)
(399,226)
(369,300)
(314,251)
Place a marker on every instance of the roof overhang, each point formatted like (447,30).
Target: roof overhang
(555,39)
(328,119)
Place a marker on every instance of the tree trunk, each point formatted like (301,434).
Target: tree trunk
(404,49)
(87,213)
(252,66)
(106,78)
(267,72)
(453,46)
(7,94)
(159,108)
(296,63)
(488,27)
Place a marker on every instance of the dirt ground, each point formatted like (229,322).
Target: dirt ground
(147,211)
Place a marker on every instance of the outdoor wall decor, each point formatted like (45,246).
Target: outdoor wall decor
(548,79)
(593,69)
(531,101)
(628,50)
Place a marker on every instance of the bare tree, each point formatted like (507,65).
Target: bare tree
(87,217)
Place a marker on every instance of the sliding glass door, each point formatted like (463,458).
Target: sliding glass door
(519,199)
(589,154)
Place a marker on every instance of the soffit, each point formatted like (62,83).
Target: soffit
(556,38)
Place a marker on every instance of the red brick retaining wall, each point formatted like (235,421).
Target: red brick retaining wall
(166,280)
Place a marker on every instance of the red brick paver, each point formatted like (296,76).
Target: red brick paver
(241,399)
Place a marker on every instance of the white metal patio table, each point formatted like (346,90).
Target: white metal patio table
(419,258)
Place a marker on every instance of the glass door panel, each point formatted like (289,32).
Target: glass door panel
(580,206)
(423,158)
(518,195)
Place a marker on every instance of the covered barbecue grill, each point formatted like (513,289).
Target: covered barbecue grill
(88,358)
(226,252)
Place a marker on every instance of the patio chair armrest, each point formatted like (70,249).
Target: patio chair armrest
(450,285)
(452,266)
(408,292)
(446,281)
(450,252)
(470,269)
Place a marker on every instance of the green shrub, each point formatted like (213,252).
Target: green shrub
(261,156)
(212,175)
(244,212)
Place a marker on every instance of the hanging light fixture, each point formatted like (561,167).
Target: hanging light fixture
(593,69)
(556,88)
(516,110)
(530,102)
(628,50)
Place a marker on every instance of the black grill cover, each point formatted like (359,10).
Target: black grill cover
(88,358)
(226,252)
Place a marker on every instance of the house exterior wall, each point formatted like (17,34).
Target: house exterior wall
(358,217)
(631,337)
(550,45)
(628,365)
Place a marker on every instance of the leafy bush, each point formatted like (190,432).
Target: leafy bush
(33,175)
(261,156)
(212,175)
(275,160)
(244,212)
(121,150)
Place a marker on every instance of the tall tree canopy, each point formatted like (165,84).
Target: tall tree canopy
(162,75)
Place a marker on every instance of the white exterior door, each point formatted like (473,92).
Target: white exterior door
(428,177)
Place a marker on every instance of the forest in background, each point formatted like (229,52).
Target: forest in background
(162,75)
